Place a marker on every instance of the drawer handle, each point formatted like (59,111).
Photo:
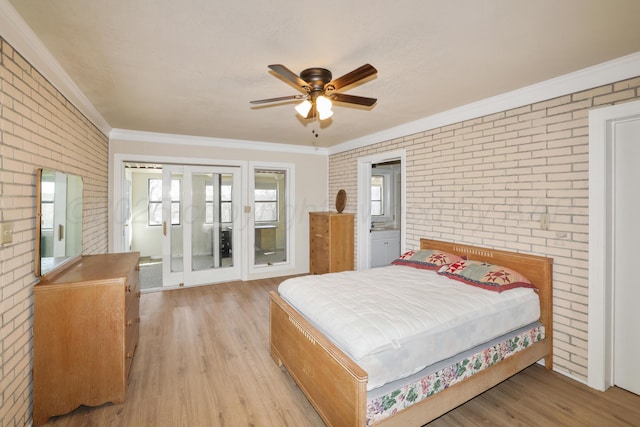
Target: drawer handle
(129,288)
(129,322)
(129,355)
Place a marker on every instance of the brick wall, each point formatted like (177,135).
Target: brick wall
(488,180)
(39,128)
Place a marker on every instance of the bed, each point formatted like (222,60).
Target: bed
(337,386)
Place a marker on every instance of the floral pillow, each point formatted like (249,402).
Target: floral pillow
(428,259)
(484,275)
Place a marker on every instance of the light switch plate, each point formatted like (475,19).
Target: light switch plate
(544,221)
(6,232)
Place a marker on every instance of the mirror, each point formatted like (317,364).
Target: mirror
(58,220)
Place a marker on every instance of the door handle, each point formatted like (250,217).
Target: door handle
(164,228)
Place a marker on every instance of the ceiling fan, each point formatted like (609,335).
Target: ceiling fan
(318,89)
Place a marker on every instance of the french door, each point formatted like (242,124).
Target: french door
(201,224)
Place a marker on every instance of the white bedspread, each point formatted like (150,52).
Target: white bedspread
(393,321)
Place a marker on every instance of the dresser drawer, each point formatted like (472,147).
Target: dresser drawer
(319,226)
(132,334)
(132,288)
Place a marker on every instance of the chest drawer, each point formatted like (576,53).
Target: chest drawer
(319,226)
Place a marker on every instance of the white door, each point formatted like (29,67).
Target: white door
(201,224)
(626,200)
(127,199)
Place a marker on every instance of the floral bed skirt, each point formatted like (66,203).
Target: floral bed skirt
(390,403)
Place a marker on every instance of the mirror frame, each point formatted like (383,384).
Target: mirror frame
(71,207)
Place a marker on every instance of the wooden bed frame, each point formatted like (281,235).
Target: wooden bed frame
(337,387)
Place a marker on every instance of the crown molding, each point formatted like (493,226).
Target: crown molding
(235,144)
(608,72)
(19,35)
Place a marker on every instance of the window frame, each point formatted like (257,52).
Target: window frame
(275,203)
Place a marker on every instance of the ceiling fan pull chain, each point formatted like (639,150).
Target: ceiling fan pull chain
(316,125)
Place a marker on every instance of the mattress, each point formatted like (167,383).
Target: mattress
(394,321)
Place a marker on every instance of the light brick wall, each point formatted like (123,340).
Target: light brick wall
(39,128)
(487,181)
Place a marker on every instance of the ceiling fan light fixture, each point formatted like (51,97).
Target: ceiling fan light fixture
(315,83)
(323,104)
(322,115)
(303,108)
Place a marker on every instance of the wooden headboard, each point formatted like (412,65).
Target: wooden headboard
(538,269)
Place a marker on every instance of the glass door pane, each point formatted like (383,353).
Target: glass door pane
(212,213)
(213,196)
(172,225)
(270,218)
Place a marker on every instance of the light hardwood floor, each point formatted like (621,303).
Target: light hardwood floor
(203,360)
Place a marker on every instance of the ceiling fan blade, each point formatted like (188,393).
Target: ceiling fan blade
(353,99)
(354,76)
(289,75)
(281,98)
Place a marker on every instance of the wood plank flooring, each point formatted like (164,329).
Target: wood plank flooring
(203,360)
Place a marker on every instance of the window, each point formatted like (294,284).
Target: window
(377,195)
(208,204)
(266,195)
(225,203)
(266,205)
(48,195)
(383,195)
(155,202)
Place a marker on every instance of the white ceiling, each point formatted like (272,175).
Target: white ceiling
(191,67)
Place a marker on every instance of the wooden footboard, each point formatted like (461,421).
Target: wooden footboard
(333,383)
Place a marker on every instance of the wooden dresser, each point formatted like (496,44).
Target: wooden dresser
(85,333)
(331,242)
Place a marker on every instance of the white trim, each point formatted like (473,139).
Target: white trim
(364,205)
(608,72)
(19,35)
(600,349)
(174,139)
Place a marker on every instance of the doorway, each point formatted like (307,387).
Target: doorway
(386,203)
(614,206)
(381,208)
